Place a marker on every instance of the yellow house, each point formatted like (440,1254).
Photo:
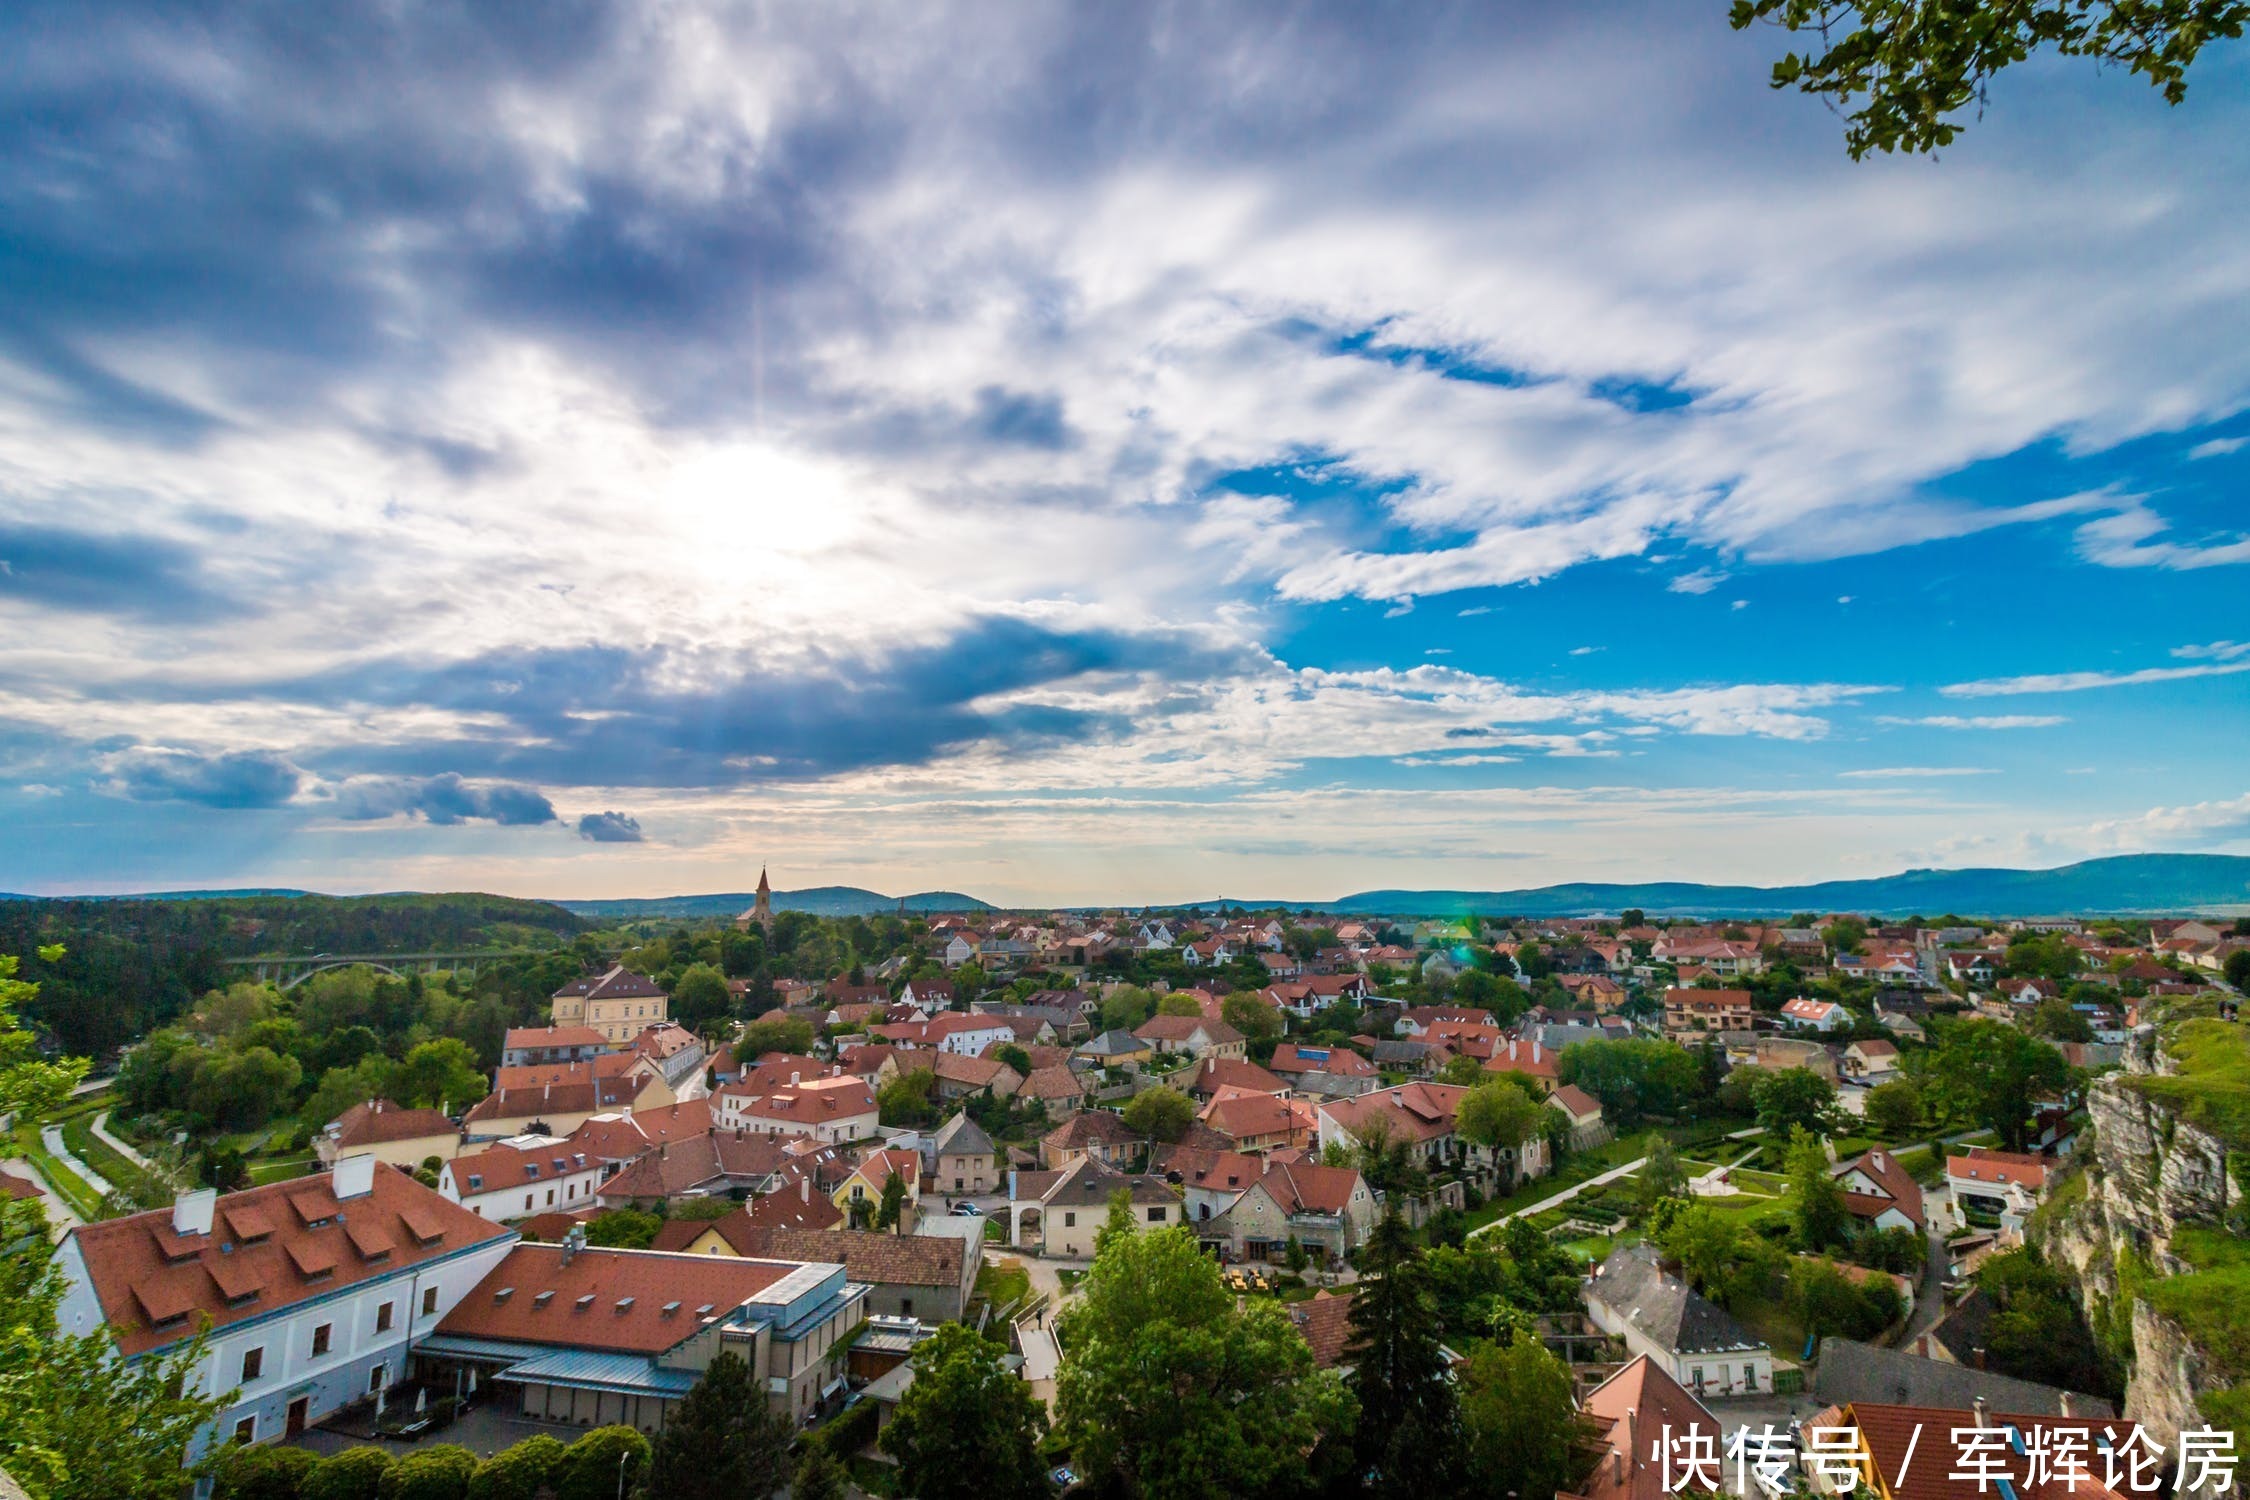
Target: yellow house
(618,1004)
(865,1185)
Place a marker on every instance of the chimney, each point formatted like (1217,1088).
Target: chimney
(573,1242)
(191,1212)
(2064,1402)
(804,1190)
(1983,1414)
(1620,1458)
(354,1176)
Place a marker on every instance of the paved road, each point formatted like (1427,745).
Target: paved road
(101,1133)
(58,1212)
(51,1137)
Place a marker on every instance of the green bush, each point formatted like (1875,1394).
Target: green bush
(519,1472)
(262,1472)
(852,1431)
(354,1474)
(589,1468)
(435,1473)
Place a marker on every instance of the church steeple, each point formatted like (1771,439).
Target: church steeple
(761,910)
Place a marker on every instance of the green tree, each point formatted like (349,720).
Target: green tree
(1168,1390)
(2056,1020)
(773,1033)
(1461,1072)
(2236,970)
(893,1204)
(1791,1099)
(700,996)
(520,1471)
(1160,1113)
(1894,1109)
(439,1072)
(1389,1161)
(261,1471)
(1995,1075)
(1632,1078)
(1661,1175)
(1521,1424)
(819,1476)
(354,1474)
(623,1229)
(723,1441)
(593,1467)
(1126,1007)
(76,1422)
(440,1472)
(341,1088)
(1253,1017)
(1816,1199)
(1178,1004)
(1409,1419)
(967,1428)
(908,1100)
(1013,1056)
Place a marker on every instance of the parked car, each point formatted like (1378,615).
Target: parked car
(1062,1479)
(967,1211)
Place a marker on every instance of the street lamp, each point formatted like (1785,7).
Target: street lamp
(622,1458)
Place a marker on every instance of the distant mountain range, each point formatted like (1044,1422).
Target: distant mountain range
(2121,885)
(820,900)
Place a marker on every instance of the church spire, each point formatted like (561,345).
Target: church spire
(762,911)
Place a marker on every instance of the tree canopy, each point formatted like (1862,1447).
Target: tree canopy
(967,1428)
(1908,70)
(1169,1390)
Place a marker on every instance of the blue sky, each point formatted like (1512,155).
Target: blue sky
(1066,455)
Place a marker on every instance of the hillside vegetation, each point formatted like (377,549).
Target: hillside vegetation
(130,965)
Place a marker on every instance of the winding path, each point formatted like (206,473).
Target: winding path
(101,1133)
(51,1137)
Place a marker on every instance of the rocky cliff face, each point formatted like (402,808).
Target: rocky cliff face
(2150,1174)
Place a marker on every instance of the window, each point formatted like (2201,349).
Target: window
(429,1301)
(246,1430)
(1156,1214)
(1696,1377)
(1070,1221)
(320,1337)
(906,1306)
(383,1317)
(253,1362)
(375,1378)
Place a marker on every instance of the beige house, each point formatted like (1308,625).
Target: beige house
(558,1109)
(1071,1206)
(616,1004)
(964,1155)
(1191,1036)
(1328,1210)
(398,1137)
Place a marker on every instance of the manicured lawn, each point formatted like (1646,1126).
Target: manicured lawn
(143,1187)
(1003,1282)
(63,1182)
(263,1172)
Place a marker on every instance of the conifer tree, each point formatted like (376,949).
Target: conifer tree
(724,1442)
(1409,1419)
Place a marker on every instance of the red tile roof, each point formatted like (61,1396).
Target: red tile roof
(1983,1164)
(376,1121)
(1415,1111)
(143,1272)
(537,1038)
(623,1301)
(1325,1319)
(1631,1409)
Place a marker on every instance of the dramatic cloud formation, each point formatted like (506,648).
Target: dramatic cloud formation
(1008,447)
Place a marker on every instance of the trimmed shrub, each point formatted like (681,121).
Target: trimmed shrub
(518,1472)
(590,1467)
(262,1472)
(354,1474)
(435,1473)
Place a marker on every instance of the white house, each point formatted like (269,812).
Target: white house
(529,1174)
(1803,1014)
(1871,1061)
(2001,1185)
(1693,1340)
(313,1288)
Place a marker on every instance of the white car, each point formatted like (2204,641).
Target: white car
(967,1211)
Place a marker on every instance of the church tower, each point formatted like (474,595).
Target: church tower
(761,910)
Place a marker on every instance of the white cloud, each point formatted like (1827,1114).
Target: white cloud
(2214,651)
(1701,581)
(2199,824)
(1586,650)
(1740,604)
(2217,447)
(1914,773)
(1982,721)
(2124,540)
(2077,682)
(1473,611)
